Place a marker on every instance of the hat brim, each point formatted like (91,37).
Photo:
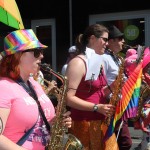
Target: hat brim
(23,47)
(117,36)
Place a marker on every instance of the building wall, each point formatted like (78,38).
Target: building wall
(59,10)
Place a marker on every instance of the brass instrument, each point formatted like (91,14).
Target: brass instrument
(50,90)
(47,86)
(116,92)
(59,139)
(126,46)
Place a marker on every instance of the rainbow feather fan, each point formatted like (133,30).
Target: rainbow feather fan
(128,104)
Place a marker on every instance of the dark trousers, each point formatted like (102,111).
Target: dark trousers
(124,138)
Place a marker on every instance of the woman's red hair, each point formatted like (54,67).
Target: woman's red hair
(9,66)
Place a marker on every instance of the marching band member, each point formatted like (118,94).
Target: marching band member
(25,109)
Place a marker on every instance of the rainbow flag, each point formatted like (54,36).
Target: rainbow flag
(128,104)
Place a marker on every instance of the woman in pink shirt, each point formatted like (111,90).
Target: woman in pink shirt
(20,94)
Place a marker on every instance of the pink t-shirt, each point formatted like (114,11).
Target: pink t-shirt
(24,113)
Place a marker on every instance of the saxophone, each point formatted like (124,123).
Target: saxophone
(111,143)
(144,94)
(59,139)
(116,92)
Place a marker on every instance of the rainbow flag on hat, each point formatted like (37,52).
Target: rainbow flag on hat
(128,104)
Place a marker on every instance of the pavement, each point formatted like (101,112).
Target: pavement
(136,136)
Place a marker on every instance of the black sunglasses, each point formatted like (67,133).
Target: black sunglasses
(104,39)
(37,52)
(120,38)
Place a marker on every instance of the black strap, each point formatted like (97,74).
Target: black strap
(30,90)
(25,136)
(114,56)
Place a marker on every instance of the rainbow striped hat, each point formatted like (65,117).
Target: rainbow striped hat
(21,40)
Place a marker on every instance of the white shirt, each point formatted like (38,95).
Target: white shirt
(64,68)
(93,64)
(111,69)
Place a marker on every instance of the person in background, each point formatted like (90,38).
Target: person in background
(114,46)
(25,109)
(85,94)
(72,52)
(112,62)
(142,120)
(0,57)
(47,86)
(39,77)
(130,61)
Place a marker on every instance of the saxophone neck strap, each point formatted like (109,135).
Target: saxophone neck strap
(25,136)
(114,56)
(30,90)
